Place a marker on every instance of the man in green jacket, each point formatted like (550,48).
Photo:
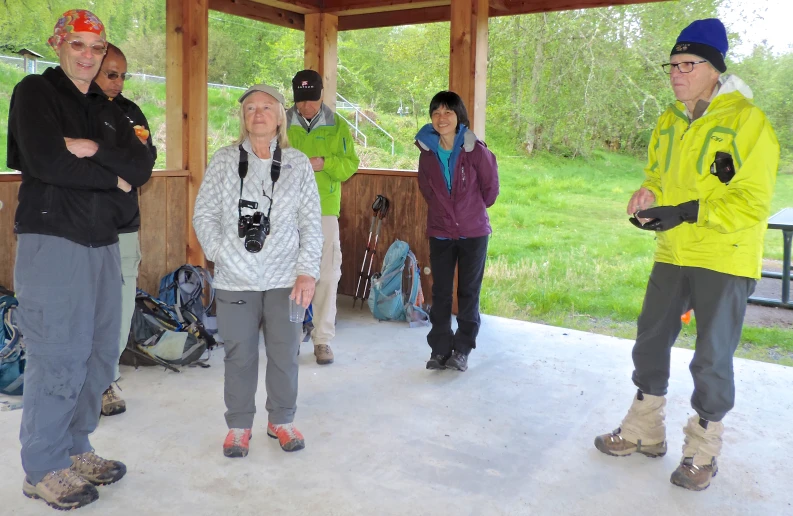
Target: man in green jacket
(710,176)
(324,137)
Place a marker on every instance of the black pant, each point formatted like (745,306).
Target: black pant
(719,303)
(469,256)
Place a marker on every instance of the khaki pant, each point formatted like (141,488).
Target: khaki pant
(129,247)
(324,302)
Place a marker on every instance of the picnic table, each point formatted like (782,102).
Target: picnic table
(782,221)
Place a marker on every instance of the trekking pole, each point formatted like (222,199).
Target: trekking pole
(380,216)
(376,206)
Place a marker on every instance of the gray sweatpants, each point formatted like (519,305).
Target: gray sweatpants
(719,303)
(240,315)
(69,315)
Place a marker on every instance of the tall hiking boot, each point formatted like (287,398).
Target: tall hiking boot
(323,353)
(457,361)
(112,403)
(642,431)
(97,470)
(288,436)
(63,490)
(237,442)
(701,448)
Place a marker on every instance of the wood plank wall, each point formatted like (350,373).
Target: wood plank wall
(163,232)
(406,221)
(165,221)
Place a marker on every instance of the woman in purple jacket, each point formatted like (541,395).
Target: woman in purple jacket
(458,177)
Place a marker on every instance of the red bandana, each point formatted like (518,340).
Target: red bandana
(76,20)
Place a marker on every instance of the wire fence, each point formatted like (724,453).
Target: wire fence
(41,65)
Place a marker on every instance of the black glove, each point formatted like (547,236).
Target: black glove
(667,217)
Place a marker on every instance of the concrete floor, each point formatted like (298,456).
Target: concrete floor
(512,436)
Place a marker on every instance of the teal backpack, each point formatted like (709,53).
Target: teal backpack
(387,299)
(12,352)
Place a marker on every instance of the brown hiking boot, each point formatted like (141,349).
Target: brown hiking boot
(62,490)
(692,477)
(616,445)
(323,353)
(112,403)
(97,470)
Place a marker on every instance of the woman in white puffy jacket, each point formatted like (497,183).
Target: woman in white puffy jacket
(256,275)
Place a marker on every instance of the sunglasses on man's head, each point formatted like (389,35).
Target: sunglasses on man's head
(115,75)
(79,46)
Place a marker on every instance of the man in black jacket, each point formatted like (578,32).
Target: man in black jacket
(111,78)
(78,154)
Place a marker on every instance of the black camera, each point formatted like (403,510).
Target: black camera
(253,228)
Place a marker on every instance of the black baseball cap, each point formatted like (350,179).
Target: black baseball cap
(307,85)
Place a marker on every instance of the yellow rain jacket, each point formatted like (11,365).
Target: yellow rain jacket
(728,235)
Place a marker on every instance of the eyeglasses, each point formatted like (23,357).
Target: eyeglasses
(115,75)
(684,67)
(79,47)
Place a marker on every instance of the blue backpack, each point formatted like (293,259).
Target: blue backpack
(387,300)
(12,352)
(183,289)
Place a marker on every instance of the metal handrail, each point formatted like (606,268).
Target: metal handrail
(357,131)
(359,112)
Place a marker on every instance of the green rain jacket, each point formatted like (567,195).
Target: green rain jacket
(327,136)
(728,235)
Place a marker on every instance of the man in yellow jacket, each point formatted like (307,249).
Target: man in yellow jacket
(710,177)
(324,137)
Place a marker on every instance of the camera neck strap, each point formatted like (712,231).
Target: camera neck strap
(275,174)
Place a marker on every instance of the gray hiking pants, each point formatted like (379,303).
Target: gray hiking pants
(69,315)
(240,315)
(719,303)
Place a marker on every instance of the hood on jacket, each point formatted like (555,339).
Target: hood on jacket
(428,139)
(325,116)
(731,83)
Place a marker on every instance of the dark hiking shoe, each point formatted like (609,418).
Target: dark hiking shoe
(62,490)
(694,478)
(437,362)
(616,445)
(237,442)
(97,470)
(457,361)
(112,403)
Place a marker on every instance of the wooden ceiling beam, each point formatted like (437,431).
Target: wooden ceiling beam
(516,7)
(395,18)
(357,7)
(259,12)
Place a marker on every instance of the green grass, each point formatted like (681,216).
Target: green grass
(563,252)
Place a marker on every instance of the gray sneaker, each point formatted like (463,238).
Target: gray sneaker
(63,490)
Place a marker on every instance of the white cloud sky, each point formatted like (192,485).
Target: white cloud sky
(759,20)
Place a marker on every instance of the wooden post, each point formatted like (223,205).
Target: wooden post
(187,47)
(468,58)
(321,52)
(175,158)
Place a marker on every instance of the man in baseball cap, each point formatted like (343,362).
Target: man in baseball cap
(710,177)
(325,138)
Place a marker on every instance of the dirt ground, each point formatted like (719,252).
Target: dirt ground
(765,316)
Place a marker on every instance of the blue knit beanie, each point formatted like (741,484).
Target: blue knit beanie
(706,39)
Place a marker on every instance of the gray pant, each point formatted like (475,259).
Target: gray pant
(719,303)
(240,315)
(69,315)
